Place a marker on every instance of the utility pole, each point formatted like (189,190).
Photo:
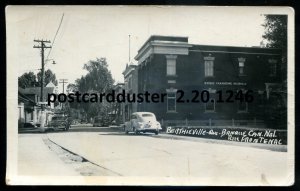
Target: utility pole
(42,46)
(63,81)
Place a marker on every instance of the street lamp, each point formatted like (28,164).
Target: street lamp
(53,61)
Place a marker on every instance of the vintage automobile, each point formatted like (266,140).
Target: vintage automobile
(102,121)
(29,126)
(59,122)
(141,122)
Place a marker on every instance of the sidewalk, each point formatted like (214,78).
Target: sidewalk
(36,159)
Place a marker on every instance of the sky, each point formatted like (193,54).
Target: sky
(88,32)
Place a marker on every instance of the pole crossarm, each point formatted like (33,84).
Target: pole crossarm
(42,46)
(46,41)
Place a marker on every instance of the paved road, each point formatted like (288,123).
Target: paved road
(150,155)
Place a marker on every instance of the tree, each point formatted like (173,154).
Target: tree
(97,80)
(99,77)
(48,77)
(276,31)
(276,36)
(72,87)
(31,80)
(27,80)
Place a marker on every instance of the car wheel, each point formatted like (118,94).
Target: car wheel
(135,131)
(156,132)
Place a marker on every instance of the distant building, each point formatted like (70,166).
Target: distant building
(51,85)
(119,107)
(30,106)
(131,87)
(167,64)
(27,105)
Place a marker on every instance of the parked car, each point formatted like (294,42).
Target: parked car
(59,122)
(101,122)
(141,122)
(29,126)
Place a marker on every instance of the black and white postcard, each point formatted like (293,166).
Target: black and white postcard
(150,95)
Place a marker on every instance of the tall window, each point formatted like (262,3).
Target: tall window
(129,82)
(171,65)
(209,66)
(273,67)
(126,84)
(241,66)
(171,100)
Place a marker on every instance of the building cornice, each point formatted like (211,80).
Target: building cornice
(233,52)
(162,47)
(129,70)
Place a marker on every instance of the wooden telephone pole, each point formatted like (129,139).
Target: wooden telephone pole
(63,81)
(42,46)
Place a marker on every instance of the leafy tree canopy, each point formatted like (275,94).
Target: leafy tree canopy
(276,32)
(29,79)
(49,77)
(98,80)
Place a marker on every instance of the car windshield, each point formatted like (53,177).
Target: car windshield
(148,117)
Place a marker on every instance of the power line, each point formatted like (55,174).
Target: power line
(56,33)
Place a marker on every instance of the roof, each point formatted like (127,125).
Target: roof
(50,84)
(234,49)
(37,91)
(177,41)
(129,69)
(118,85)
(23,98)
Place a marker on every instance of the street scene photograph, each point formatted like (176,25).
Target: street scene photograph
(150,95)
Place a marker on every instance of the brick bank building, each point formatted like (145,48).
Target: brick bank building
(167,64)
